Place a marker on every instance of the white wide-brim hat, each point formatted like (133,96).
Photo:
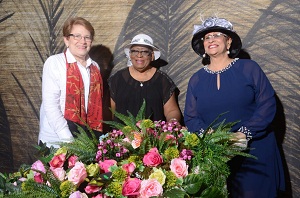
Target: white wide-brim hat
(142,39)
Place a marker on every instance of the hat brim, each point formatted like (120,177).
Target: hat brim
(197,42)
(155,50)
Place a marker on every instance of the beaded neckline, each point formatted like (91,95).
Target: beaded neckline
(222,70)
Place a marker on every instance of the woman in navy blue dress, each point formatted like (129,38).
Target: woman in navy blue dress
(240,88)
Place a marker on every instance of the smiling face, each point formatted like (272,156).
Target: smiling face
(141,57)
(79,47)
(216,43)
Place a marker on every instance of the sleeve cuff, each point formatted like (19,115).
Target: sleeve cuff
(65,135)
(201,131)
(246,131)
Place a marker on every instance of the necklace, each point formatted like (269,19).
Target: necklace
(222,70)
(141,84)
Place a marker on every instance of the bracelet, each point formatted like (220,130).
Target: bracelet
(173,120)
(201,131)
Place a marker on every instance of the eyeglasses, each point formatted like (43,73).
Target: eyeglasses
(144,53)
(213,36)
(78,37)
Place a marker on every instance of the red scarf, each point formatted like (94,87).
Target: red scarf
(75,105)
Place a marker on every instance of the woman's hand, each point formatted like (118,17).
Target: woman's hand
(240,139)
(238,136)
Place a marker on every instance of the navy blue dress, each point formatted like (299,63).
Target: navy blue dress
(246,94)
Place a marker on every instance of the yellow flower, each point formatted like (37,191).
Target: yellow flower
(159,175)
(67,188)
(171,153)
(127,129)
(115,188)
(61,150)
(92,169)
(192,140)
(171,179)
(119,174)
(147,123)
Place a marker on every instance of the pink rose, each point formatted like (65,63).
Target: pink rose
(38,178)
(106,164)
(72,160)
(59,173)
(77,174)
(131,187)
(179,167)
(100,196)
(78,194)
(152,158)
(58,161)
(92,189)
(129,168)
(38,165)
(150,188)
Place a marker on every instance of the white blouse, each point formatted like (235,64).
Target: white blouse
(53,125)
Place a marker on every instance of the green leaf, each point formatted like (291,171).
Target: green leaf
(175,193)
(192,183)
(212,192)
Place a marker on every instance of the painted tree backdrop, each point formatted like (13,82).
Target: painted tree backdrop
(31,32)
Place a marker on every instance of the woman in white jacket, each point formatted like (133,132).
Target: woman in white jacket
(72,87)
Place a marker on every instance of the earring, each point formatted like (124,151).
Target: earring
(204,55)
(228,52)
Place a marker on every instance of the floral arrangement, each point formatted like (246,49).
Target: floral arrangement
(139,158)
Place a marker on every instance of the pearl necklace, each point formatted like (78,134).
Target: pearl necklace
(222,70)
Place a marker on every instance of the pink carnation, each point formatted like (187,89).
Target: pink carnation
(77,174)
(152,158)
(179,167)
(136,142)
(131,187)
(106,164)
(171,137)
(150,188)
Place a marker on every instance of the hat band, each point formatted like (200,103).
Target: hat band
(213,22)
(142,40)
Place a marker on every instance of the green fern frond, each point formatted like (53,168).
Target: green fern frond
(163,144)
(50,177)
(37,188)
(128,120)
(141,113)
(83,146)
(114,124)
